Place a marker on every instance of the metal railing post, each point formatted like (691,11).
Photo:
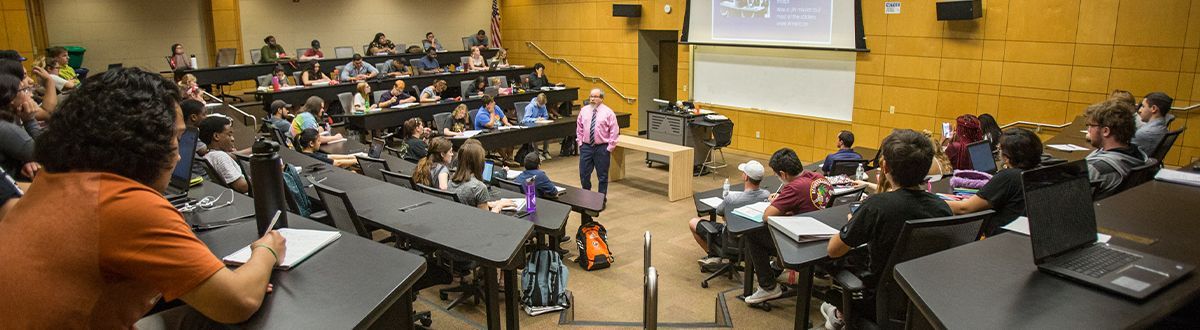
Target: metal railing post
(585,76)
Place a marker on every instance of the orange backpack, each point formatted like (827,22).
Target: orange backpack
(593,246)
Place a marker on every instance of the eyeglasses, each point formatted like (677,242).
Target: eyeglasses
(26,90)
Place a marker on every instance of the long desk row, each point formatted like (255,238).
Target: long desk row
(233,73)
(298,95)
(388,118)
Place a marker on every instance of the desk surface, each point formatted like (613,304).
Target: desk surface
(348,284)
(1008,292)
(238,72)
(389,118)
(241,209)
(329,92)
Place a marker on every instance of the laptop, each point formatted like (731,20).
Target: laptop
(981,156)
(1062,228)
(376,149)
(492,90)
(489,172)
(181,177)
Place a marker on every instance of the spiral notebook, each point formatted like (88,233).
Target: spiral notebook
(301,244)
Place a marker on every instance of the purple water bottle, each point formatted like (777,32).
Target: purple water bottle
(530,196)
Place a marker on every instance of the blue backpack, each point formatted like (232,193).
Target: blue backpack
(544,283)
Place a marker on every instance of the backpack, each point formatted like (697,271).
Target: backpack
(568,147)
(592,239)
(544,283)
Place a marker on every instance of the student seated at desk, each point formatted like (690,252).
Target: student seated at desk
(310,113)
(802,192)
(279,117)
(313,53)
(395,67)
(1109,130)
(130,246)
(467,181)
(189,89)
(428,64)
(310,145)
(541,181)
(431,42)
(313,75)
(272,52)
(434,169)
(395,96)
(480,40)
(845,151)
(536,110)
(458,122)
(362,99)
(966,131)
(476,62)
(433,93)
(752,174)
(490,117)
(358,70)
(415,139)
(477,86)
(216,132)
(1020,150)
(905,157)
(1154,118)
(381,45)
(280,76)
(501,58)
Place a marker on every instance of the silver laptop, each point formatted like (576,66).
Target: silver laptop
(1062,227)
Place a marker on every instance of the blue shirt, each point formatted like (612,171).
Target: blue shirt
(350,71)
(427,63)
(841,154)
(533,112)
(541,182)
(482,118)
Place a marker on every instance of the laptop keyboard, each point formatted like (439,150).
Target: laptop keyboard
(1097,260)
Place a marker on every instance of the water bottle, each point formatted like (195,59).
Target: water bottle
(193,61)
(725,189)
(530,196)
(275,86)
(266,176)
(859,173)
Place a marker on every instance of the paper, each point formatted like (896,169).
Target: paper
(752,212)
(1067,147)
(301,244)
(512,175)
(716,117)
(706,112)
(1021,226)
(467,134)
(505,128)
(518,203)
(405,105)
(1179,177)
(803,229)
(838,191)
(712,201)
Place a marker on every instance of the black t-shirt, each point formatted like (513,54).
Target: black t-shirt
(877,223)
(321,156)
(417,149)
(1006,196)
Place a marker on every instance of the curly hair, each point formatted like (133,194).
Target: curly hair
(1114,115)
(1022,147)
(908,155)
(121,121)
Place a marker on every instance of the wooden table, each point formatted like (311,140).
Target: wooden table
(679,179)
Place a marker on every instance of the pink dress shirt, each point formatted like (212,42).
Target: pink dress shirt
(607,129)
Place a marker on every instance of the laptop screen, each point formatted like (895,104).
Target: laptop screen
(376,149)
(981,156)
(1058,202)
(187,151)
(488,170)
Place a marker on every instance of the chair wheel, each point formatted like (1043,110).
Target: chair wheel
(704,285)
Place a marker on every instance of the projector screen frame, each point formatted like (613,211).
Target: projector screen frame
(860,39)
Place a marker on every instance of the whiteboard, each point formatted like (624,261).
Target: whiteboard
(804,82)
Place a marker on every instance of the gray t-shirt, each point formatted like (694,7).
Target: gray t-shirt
(16,144)
(438,169)
(738,199)
(473,192)
(227,168)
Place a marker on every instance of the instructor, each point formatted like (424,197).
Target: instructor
(596,133)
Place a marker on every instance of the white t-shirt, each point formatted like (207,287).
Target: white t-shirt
(359,102)
(227,168)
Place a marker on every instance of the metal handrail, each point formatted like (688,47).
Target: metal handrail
(1037,126)
(245,115)
(1187,108)
(646,261)
(646,268)
(594,79)
(651,307)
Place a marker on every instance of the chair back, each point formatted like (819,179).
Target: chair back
(300,52)
(847,167)
(401,47)
(524,77)
(341,211)
(503,81)
(413,63)
(226,57)
(381,67)
(1164,145)
(919,238)
(343,52)
(464,60)
(264,80)
(510,185)
(519,108)
(1136,177)
(347,101)
(372,167)
(466,42)
(375,95)
(298,75)
(471,117)
(243,162)
(367,50)
(399,179)
(255,55)
(447,195)
(442,120)
(212,172)
(723,134)
(464,86)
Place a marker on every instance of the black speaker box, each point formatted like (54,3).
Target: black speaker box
(950,10)
(620,10)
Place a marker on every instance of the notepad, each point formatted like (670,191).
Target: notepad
(1179,177)
(505,128)
(712,201)
(1067,147)
(1021,226)
(803,229)
(301,244)
(467,134)
(752,212)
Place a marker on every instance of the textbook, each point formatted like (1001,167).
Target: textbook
(752,212)
(301,244)
(1178,177)
(803,229)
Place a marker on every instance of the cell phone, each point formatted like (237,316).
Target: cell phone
(945,130)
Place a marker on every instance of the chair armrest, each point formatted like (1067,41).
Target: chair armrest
(849,282)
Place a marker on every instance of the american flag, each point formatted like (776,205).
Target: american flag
(496,24)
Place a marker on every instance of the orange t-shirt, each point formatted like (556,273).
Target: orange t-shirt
(94,250)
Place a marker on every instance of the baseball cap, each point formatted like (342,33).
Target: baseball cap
(753,169)
(279,103)
(10,54)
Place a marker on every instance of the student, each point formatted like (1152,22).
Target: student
(431,41)
(433,93)
(313,109)
(991,130)
(309,141)
(395,96)
(395,67)
(1109,130)
(467,181)
(271,52)
(278,118)
(141,249)
(905,157)
(480,40)
(62,59)
(536,110)
(845,151)
(476,62)
(280,76)
(52,66)
(1154,114)
(49,99)
(434,169)
(357,70)
(381,46)
(313,53)
(362,99)
(966,132)
(1126,97)
(415,137)
(802,192)
(193,113)
(477,86)
(189,89)
(458,122)
(489,116)
(313,75)
(18,127)
(541,182)
(941,163)
(428,64)
(752,174)
(215,131)
(501,58)
(1020,150)
(539,79)
(178,60)
(596,133)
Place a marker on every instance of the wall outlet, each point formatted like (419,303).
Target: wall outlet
(892,109)
(757,135)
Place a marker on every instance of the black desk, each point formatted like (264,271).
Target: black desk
(229,74)
(389,118)
(1070,135)
(352,283)
(561,127)
(329,93)
(242,208)
(994,283)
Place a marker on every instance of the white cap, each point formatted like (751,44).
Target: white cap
(752,168)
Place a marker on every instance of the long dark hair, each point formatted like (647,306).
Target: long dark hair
(10,87)
(991,129)
(376,40)
(173,49)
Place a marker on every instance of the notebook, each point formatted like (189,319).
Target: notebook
(712,201)
(467,134)
(1178,177)
(752,212)
(1067,147)
(301,244)
(803,229)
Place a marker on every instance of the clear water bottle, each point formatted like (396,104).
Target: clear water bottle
(530,196)
(192,60)
(860,174)
(725,189)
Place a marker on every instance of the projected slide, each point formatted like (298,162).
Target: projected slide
(787,21)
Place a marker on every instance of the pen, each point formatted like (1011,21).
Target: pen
(274,220)
(410,207)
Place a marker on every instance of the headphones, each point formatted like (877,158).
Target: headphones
(206,203)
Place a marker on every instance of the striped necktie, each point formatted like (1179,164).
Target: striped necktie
(592,129)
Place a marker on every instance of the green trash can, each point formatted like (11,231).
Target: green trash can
(76,53)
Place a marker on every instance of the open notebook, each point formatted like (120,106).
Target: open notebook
(301,244)
(803,229)
(753,212)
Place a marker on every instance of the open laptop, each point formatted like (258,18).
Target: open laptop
(981,156)
(376,149)
(489,172)
(1062,227)
(181,177)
